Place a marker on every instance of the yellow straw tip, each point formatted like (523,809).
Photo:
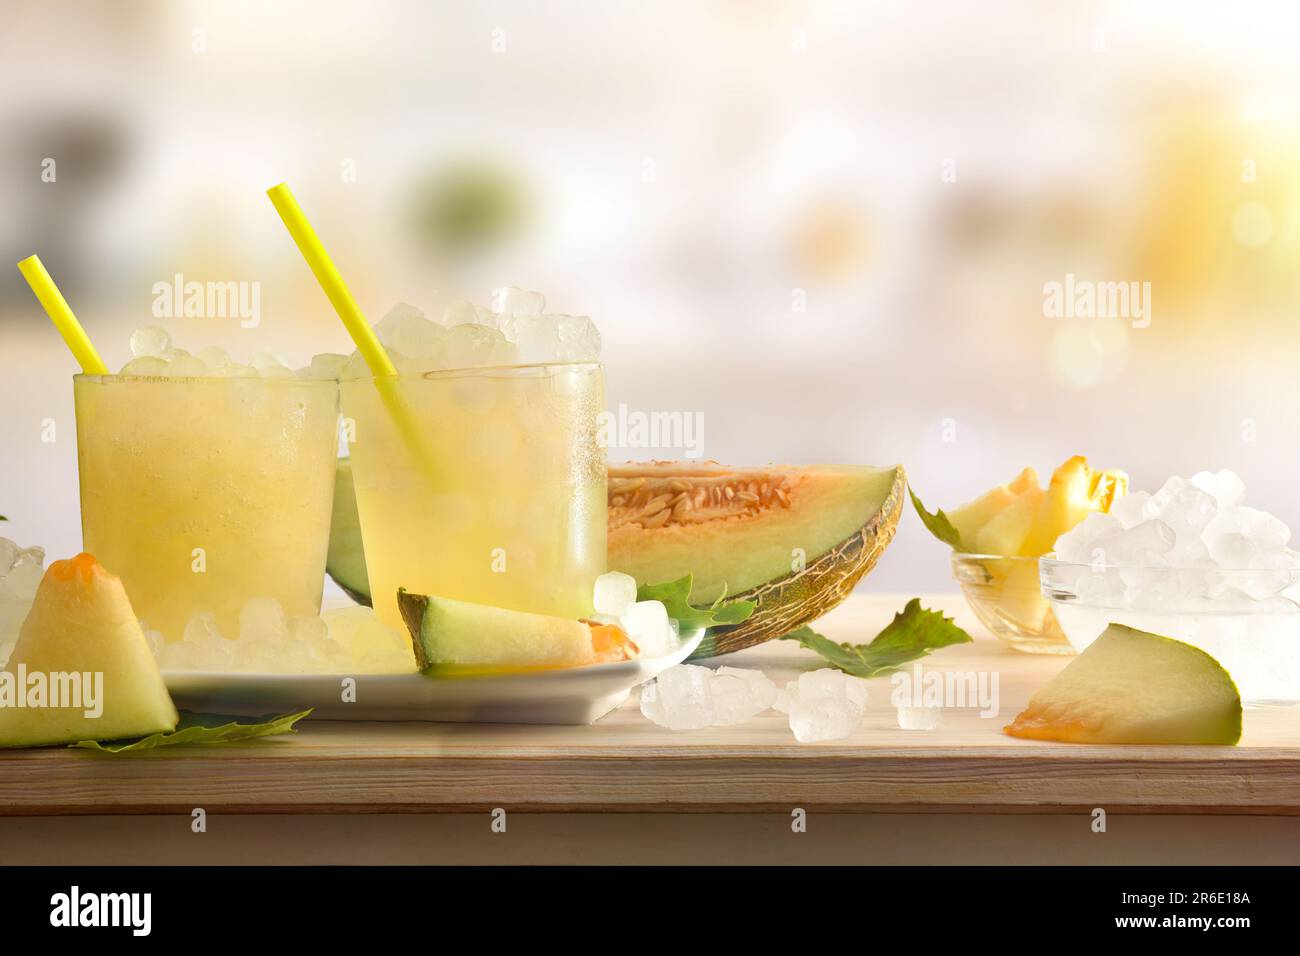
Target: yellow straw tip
(32,258)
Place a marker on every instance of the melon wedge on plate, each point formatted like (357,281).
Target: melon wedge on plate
(81,622)
(1132,687)
(459,638)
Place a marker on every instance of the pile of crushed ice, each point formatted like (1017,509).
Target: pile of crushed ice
(348,640)
(1192,543)
(646,622)
(514,330)
(21,570)
(824,704)
(156,355)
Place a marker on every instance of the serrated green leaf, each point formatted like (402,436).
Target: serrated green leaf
(914,632)
(203,729)
(937,523)
(676,597)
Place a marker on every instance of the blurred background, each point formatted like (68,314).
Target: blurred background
(827,227)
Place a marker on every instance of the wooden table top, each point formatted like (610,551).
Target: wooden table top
(623,762)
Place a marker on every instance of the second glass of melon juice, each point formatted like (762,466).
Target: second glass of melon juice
(202,494)
(500,497)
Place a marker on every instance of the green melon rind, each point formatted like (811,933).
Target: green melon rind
(346,561)
(793,600)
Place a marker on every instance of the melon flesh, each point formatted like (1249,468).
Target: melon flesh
(346,561)
(974,515)
(1132,687)
(735,528)
(460,637)
(1074,492)
(81,621)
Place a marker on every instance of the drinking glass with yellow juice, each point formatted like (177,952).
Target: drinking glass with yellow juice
(500,500)
(203,493)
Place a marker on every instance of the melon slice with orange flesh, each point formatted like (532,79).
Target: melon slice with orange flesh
(82,623)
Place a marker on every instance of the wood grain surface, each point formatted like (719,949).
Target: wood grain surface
(625,763)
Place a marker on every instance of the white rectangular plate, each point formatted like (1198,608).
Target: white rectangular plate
(573,695)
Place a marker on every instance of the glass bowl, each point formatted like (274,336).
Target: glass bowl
(1004,594)
(1248,620)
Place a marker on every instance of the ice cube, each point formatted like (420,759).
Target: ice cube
(145,365)
(1126,548)
(578,337)
(262,619)
(514,301)
(761,687)
(733,700)
(8,555)
(471,345)
(1167,491)
(394,320)
(200,628)
(325,366)
(1264,529)
(1226,487)
(1131,509)
(537,338)
(1189,512)
(615,593)
(680,698)
(188,366)
(919,718)
(646,622)
(268,364)
(823,718)
(25,573)
(461,313)
(151,340)
(829,682)
(214,356)
(418,338)
(1233,550)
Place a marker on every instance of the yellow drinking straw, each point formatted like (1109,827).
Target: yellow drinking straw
(56,307)
(368,344)
(330,280)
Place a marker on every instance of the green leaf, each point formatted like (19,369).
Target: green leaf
(676,596)
(914,632)
(938,523)
(203,729)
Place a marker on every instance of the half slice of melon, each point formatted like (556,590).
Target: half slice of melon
(796,540)
(81,623)
(1132,687)
(460,638)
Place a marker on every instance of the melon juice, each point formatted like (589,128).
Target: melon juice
(205,490)
(512,511)
(479,473)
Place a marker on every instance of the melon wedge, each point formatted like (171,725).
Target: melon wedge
(796,540)
(346,560)
(1132,687)
(1073,493)
(461,638)
(975,515)
(81,622)
(1005,532)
